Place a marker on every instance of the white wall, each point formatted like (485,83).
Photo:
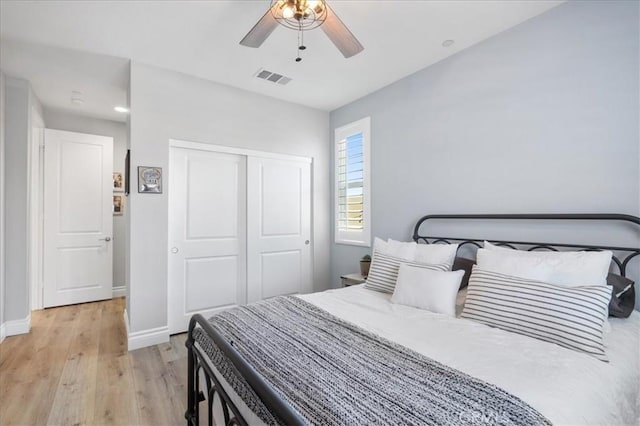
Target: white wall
(542,118)
(21,106)
(2,204)
(64,120)
(166,105)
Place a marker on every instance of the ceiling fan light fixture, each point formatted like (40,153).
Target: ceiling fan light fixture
(299,15)
(302,15)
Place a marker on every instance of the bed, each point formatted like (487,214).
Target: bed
(350,356)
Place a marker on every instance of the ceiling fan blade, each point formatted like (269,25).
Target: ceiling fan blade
(261,30)
(340,35)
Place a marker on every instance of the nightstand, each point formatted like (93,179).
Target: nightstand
(352,279)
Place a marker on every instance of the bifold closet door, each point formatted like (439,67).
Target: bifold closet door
(207,234)
(278,227)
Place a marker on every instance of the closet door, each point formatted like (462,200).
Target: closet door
(207,234)
(279,227)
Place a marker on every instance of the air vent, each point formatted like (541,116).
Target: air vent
(273,77)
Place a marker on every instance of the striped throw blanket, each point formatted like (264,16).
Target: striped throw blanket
(335,373)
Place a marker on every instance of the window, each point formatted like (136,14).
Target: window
(352,191)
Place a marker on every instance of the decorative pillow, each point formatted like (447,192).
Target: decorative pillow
(623,296)
(567,268)
(572,317)
(383,272)
(422,287)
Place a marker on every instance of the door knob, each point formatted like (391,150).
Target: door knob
(174,250)
(307,242)
(107,239)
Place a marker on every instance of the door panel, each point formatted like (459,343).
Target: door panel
(207,193)
(281,273)
(207,234)
(199,273)
(279,227)
(78,220)
(281,198)
(80,208)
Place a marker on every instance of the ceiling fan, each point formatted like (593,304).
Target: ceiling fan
(303,15)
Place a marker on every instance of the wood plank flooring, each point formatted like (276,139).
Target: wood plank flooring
(73,368)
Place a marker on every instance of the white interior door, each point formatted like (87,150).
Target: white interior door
(279,227)
(77,218)
(207,234)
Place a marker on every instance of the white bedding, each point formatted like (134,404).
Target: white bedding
(567,387)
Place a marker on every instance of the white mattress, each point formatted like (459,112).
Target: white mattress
(567,387)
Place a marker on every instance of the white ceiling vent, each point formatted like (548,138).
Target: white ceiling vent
(273,77)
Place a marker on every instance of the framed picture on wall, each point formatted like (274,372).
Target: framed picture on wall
(118,205)
(118,182)
(150,180)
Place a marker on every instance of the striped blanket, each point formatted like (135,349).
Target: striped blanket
(335,373)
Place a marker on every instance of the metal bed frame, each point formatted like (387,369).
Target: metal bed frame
(282,410)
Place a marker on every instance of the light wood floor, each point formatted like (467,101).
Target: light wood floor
(73,368)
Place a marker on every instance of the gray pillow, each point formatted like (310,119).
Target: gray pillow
(621,306)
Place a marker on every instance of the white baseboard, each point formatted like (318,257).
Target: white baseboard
(150,337)
(119,291)
(15,327)
(3,332)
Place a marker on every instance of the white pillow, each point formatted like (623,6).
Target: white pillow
(427,289)
(567,269)
(436,253)
(433,254)
(402,250)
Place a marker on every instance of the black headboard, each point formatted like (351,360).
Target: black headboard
(622,255)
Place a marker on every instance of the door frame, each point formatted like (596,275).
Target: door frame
(200,146)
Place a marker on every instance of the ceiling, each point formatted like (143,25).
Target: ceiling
(55,73)
(47,42)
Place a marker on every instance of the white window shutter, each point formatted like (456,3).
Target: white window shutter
(352,190)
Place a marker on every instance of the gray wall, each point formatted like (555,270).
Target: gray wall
(167,105)
(20,101)
(63,120)
(540,118)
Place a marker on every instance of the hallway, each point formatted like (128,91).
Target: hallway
(73,368)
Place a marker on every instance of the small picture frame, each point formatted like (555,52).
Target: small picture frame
(118,205)
(150,180)
(118,182)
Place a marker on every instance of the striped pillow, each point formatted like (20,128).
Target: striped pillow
(383,272)
(570,317)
